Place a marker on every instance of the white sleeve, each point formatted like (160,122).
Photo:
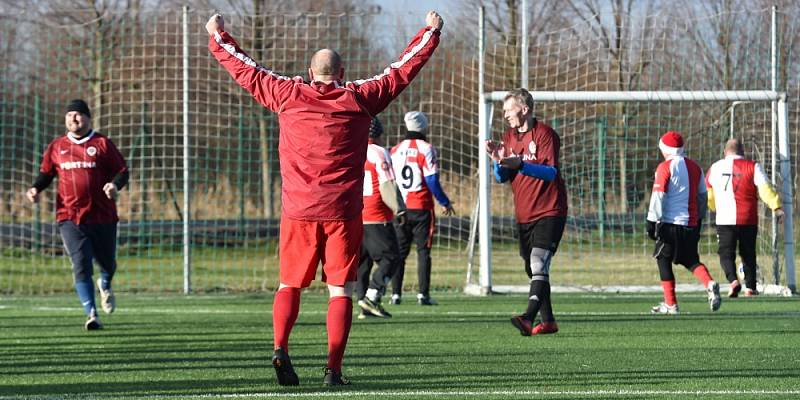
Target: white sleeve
(431,165)
(759,177)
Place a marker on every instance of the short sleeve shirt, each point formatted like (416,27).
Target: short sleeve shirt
(83,167)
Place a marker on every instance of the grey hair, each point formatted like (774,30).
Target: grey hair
(521,96)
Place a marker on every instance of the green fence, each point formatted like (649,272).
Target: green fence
(129,66)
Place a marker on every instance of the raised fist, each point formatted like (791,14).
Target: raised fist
(215,24)
(434,20)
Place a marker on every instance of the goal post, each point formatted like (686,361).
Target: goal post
(779,116)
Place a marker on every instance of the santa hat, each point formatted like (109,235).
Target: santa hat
(671,143)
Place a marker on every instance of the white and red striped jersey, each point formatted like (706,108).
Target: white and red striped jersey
(679,192)
(377,170)
(734,183)
(413,160)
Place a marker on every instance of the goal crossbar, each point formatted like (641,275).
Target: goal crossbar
(780,121)
(645,96)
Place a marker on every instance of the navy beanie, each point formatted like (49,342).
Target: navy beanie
(79,106)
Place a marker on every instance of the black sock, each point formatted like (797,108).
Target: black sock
(547,307)
(535,297)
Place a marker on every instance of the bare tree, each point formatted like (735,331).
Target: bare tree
(503,31)
(615,29)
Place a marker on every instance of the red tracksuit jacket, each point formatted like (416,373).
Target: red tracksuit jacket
(323,128)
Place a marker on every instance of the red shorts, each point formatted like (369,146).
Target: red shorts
(303,244)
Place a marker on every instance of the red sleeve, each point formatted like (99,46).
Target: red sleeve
(377,92)
(267,87)
(116,163)
(662,177)
(48,167)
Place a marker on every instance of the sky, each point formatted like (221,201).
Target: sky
(417,6)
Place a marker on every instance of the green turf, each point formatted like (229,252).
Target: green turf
(608,347)
(255,269)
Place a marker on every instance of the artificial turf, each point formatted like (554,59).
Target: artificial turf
(608,346)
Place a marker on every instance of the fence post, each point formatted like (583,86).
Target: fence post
(37,145)
(601,127)
(143,132)
(240,171)
(787,196)
(187,249)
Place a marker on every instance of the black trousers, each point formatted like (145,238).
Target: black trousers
(745,235)
(379,246)
(87,242)
(543,233)
(419,229)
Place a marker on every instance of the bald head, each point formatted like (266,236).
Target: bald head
(326,64)
(734,147)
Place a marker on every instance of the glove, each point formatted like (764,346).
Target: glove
(651,230)
(400,219)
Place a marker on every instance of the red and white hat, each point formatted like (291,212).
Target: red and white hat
(671,143)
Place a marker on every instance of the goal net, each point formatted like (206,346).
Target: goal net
(202,209)
(203,204)
(610,105)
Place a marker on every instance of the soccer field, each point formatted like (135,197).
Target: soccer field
(219,347)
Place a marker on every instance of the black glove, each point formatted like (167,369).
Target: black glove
(651,230)
(400,219)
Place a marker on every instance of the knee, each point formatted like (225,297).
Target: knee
(390,258)
(726,251)
(82,272)
(747,253)
(540,264)
(82,275)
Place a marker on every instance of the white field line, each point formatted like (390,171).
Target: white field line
(322,311)
(436,393)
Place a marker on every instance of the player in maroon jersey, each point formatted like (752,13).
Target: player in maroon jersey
(324,127)
(90,172)
(528,159)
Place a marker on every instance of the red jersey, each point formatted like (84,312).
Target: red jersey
(678,191)
(83,167)
(413,160)
(323,127)
(535,198)
(377,170)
